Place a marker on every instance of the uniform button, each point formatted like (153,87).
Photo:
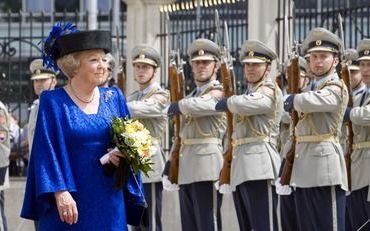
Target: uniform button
(296,156)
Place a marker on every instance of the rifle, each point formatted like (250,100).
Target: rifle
(177,91)
(293,88)
(228,83)
(120,77)
(346,76)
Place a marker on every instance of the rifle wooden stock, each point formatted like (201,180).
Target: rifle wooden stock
(177,93)
(346,75)
(228,80)
(293,88)
(121,81)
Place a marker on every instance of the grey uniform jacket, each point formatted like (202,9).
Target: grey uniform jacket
(32,123)
(284,127)
(201,134)
(148,109)
(319,159)
(256,130)
(4,146)
(360,158)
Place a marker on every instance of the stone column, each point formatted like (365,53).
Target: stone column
(92,10)
(262,25)
(143,26)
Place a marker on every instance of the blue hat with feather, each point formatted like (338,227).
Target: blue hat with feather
(65,38)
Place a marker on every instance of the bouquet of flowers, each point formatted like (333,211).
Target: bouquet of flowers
(135,142)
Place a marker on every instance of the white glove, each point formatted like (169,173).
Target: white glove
(223,189)
(105,158)
(167,185)
(282,189)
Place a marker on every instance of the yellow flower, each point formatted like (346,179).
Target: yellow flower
(138,126)
(130,128)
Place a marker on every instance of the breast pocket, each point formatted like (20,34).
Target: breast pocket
(208,149)
(324,149)
(253,149)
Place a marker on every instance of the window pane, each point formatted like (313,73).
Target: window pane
(38,5)
(67,5)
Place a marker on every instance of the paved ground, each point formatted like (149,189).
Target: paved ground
(170,216)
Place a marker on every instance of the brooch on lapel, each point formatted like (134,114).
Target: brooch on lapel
(107,95)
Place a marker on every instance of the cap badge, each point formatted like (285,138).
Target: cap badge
(38,71)
(250,53)
(141,56)
(201,52)
(366,52)
(318,42)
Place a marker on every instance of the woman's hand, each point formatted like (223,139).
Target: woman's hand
(66,207)
(113,156)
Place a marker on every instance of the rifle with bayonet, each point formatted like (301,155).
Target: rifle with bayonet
(120,77)
(346,77)
(177,91)
(293,72)
(228,83)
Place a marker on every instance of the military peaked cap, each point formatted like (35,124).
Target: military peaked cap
(145,54)
(254,51)
(203,49)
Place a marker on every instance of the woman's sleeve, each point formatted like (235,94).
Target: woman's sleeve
(49,168)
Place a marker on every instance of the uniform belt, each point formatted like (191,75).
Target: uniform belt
(254,139)
(209,140)
(361,145)
(317,138)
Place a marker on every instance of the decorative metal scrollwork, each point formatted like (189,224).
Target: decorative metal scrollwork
(7,50)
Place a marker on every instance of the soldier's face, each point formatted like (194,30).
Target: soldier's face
(91,66)
(322,62)
(303,81)
(365,71)
(204,70)
(40,85)
(355,78)
(143,72)
(253,72)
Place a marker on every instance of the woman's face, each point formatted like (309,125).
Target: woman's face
(92,68)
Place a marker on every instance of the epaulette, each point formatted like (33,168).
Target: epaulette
(331,82)
(266,83)
(216,85)
(269,83)
(163,92)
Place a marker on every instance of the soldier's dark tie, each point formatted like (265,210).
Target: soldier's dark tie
(364,96)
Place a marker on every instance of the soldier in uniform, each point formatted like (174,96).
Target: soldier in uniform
(256,161)
(4,161)
(358,86)
(110,64)
(286,206)
(319,172)
(43,79)
(201,135)
(359,205)
(147,105)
